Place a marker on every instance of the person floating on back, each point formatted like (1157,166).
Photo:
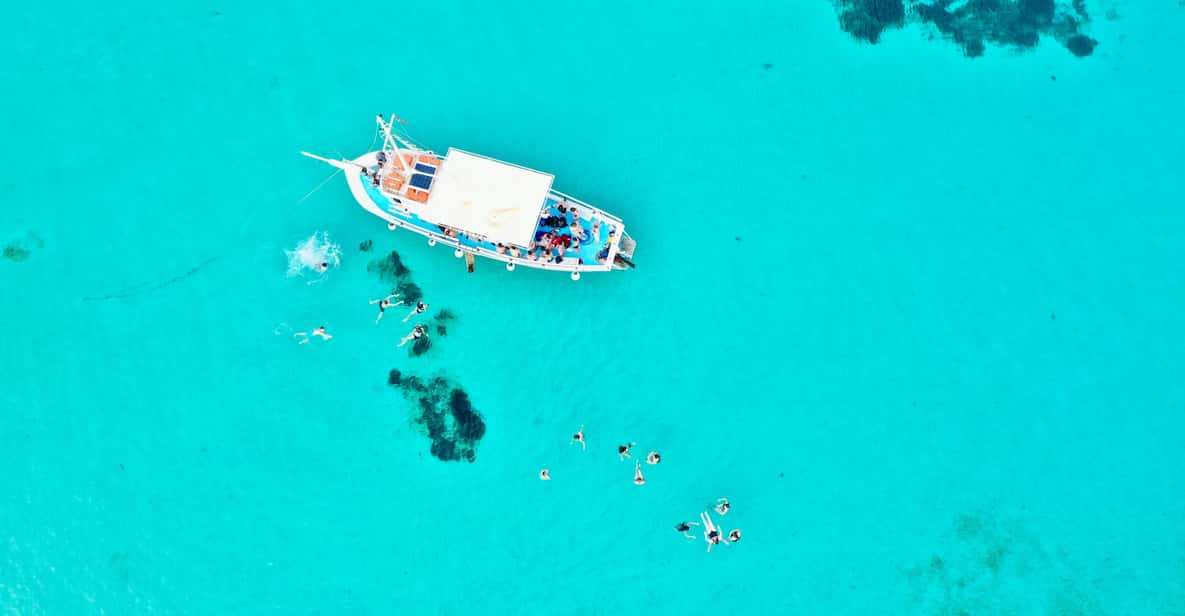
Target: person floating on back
(638,478)
(722,506)
(653,458)
(545,475)
(384,304)
(419,309)
(416,332)
(579,438)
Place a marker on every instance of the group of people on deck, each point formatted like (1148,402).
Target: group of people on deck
(560,231)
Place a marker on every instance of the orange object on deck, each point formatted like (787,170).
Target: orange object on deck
(393,183)
(416,194)
(430,160)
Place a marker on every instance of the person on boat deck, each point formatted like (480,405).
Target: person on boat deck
(384,304)
(416,332)
(381,156)
(419,309)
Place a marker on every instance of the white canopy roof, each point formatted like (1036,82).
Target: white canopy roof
(480,195)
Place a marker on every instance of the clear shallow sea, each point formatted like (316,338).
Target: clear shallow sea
(919,317)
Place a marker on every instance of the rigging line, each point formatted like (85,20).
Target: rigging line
(319,186)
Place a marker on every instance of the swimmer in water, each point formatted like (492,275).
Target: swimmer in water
(545,475)
(416,332)
(322,266)
(579,438)
(734,535)
(722,506)
(384,304)
(711,533)
(683,527)
(419,309)
(638,478)
(653,458)
(623,451)
(304,337)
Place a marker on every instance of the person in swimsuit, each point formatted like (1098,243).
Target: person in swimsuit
(545,475)
(579,438)
(623,451)
(734,535)
(711,533)
(638,478)
(384,304)
(416,332)
(304,337)
(722,506)
(683,527)
(653,458)
(419,309)
(322,266)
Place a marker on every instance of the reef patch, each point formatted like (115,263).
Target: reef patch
(20,249)
(973,24)
(991,564)
(444,412)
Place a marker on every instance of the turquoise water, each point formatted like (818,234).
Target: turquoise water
(917,316)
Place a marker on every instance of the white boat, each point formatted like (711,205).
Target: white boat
(482,206)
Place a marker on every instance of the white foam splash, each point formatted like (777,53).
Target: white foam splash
(315,255)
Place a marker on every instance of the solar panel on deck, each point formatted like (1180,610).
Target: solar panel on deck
(421,181)
(425,168)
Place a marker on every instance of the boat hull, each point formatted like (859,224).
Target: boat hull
(597,254)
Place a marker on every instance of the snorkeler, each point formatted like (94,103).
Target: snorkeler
(304,337)
(638,478)
(653,458)
(722,506)
(623,451)
(416,332)
(579,438)
(384,304)
(545,475)
(419,309)
(683,527)
(734,535)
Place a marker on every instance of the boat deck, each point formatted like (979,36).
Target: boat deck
(580,254)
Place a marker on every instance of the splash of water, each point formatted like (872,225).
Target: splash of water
(315,256)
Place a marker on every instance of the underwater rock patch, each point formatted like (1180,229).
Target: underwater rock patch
(21,249)
(972,24)
(987,564)
(866,19)
(445,414)
(389,268)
